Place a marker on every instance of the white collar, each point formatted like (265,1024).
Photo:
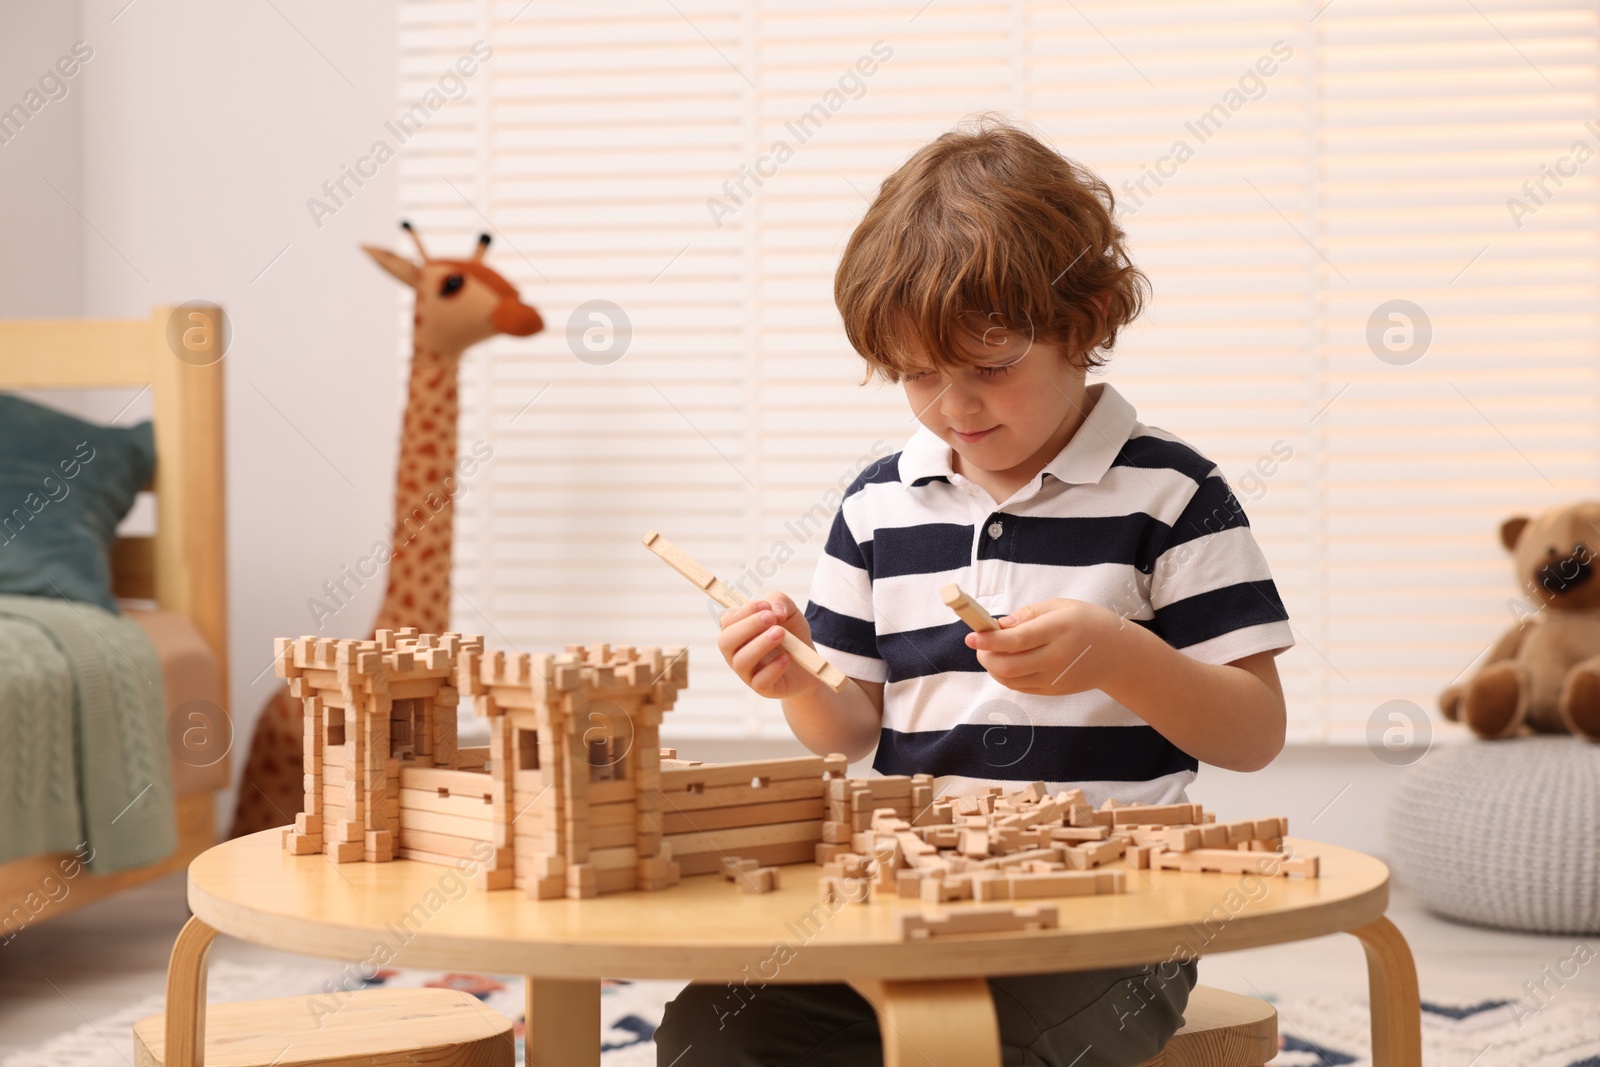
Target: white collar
(1083,460)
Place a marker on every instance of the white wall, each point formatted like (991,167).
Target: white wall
(41,259)
(205,127)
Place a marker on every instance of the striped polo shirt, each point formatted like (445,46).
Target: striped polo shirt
(1126,516)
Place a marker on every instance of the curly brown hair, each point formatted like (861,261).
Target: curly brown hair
(986,227)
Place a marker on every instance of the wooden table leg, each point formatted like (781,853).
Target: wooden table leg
(946,1023)
(561,1025)
(186,995)
(1396,1003)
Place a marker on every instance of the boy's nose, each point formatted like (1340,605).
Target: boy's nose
(956,404)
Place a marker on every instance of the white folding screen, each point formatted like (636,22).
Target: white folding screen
(1286,172)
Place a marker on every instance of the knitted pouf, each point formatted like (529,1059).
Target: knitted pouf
(1503,833)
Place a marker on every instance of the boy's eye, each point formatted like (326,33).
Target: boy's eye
(994,372)
(920,375)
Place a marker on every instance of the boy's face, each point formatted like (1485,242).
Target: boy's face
(1004,407)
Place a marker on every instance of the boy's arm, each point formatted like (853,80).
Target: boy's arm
(848,721)
(1229,715)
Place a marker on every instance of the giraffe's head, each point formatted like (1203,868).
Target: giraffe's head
(459,301)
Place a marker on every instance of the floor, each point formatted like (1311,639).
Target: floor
(58,975)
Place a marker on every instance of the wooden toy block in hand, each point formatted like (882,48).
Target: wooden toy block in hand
(808,658)
(970,611)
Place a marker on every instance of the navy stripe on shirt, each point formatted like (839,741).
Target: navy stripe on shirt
(858,637)
(1151,452)
(1078,542)
(1212,509)
(1218,611)
(1025,753)
(925,549)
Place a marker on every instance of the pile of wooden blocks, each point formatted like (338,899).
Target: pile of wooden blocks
(889,836)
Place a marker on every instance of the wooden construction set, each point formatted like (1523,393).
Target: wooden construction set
(574,796)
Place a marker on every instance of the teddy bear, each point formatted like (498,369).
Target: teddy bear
(1543,674)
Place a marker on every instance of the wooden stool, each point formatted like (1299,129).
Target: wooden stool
(369,1028)
(1220,1030)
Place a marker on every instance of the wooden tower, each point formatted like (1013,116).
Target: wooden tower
(575,756)
(371,709)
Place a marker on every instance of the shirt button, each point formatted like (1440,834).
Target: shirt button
(995,529)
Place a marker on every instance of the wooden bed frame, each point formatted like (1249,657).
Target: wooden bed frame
(182,567)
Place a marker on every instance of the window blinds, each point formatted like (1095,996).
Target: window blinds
(1286,173)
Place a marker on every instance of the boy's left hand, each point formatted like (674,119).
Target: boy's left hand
(1052,648)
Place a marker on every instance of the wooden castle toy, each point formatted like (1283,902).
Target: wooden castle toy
(574,797)
(570,798)
(556,803)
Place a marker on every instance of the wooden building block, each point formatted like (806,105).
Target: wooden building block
(298,844)
(1232,861)
(989,885)
(1179,838)
(700,777)
(917,924)
(1155,814)
(1079,813)
(1138,856)
(677,822)
(761,880)
(844,890)
(937,889)
(967,609)
(1077,834)
(826,851)
(1065,883)
(1054,853)
(582,881)
(345,851)
(849,865)
(547,888)
(807,657)
(378,845)
(908,882)
(1092,854)
(706,862)
(737,868)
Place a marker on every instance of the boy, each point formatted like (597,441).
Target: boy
(1139,621)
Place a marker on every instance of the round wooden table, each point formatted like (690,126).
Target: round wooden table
(932,1001)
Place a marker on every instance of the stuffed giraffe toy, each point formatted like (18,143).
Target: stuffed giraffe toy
(459,302)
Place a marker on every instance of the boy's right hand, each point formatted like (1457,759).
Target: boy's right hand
(749,642)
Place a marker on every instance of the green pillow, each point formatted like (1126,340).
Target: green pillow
(65,484)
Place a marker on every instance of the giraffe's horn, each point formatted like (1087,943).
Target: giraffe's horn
(483,246)
(416,238)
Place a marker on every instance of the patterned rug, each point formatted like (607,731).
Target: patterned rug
(1313,1031)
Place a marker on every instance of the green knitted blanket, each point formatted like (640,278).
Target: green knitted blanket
(83,757)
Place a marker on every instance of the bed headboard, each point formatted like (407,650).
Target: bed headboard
(183,567)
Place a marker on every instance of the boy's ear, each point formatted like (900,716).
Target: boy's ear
(399,266)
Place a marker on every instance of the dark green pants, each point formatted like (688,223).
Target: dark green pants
(1109,1018)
